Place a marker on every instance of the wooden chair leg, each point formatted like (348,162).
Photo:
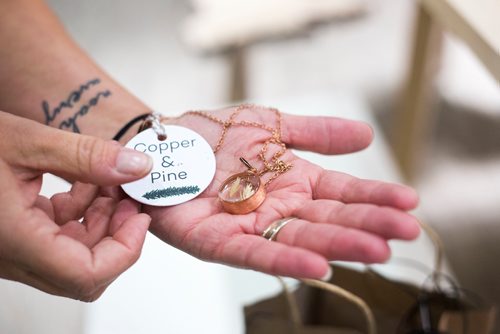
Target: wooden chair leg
(413,122)
(237,90)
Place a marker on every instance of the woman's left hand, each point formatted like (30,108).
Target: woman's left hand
(339,216)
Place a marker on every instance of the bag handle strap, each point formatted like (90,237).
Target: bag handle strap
(354,299)
(438,249)
(334,289)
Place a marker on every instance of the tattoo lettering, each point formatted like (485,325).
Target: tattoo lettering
(73,97)
(69,103)
(70,123)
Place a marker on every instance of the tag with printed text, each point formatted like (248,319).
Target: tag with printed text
(184,166)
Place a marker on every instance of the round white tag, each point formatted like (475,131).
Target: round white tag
(184,166)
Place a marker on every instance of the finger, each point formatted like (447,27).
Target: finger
(70,264)
(95,223)
(349,189)
(255,252)
(386,222)
(73,267)
(10,192)
(73,204)
(44,204)
(69,155)
(113,191)
(112,256)
(335,242)
(326,135)
(125,209)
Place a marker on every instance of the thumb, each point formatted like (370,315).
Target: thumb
(73,156)
(93,160)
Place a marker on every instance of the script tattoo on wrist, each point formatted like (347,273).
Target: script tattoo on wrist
(72,103)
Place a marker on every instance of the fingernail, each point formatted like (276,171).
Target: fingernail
(328,275)
(132,162)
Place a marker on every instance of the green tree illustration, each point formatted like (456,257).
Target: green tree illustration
(171,191)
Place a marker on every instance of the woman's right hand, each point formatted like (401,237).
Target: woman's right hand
(42,241)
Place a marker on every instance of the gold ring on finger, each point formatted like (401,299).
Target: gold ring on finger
(271,232)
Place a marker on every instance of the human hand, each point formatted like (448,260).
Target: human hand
(42,242)
(339,216)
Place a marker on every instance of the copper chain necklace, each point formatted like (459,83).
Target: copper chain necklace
(244,192)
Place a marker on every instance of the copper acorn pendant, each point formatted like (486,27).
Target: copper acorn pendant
(243,192)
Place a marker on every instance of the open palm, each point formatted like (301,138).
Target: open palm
(339,216)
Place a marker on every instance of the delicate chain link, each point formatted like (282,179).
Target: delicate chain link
(275,165)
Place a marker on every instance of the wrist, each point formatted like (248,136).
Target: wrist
(59,86)
(112,116)
(131,125)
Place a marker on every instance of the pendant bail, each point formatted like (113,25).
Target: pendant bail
(247,164)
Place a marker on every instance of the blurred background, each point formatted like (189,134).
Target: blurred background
(425,74)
